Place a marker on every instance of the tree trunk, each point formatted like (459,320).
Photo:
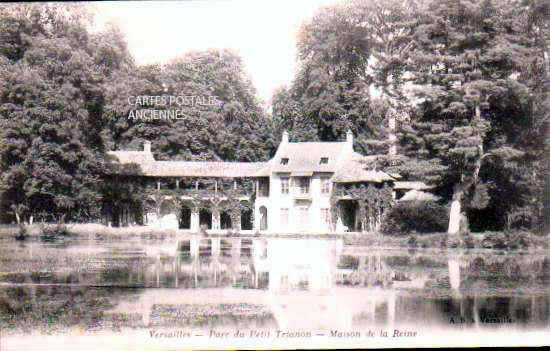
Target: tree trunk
(458,192)
(454,216)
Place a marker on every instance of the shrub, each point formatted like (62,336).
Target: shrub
(520,239)
(512,240)
(54,231)
(494,240)
(418,216)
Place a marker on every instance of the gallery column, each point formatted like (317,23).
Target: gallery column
(194,220)
(215,220)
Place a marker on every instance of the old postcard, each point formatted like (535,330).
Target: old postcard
(242,174)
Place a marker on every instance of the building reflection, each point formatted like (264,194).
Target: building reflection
(284,283)
(304,282)
(323,284)
(278,265)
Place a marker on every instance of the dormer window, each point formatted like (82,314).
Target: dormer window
(284,161)
(324,161)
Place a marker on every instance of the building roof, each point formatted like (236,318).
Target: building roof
(416,195)
(408,185)
(265,171)
(152,168)
(138,157)
(355,170)
(300,159)
(204,169)
(306,157)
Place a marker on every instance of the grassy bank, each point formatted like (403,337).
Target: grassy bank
(506,240)
(93,230)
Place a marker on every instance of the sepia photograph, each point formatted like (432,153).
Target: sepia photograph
(273,175)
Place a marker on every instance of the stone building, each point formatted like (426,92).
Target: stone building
(305,187)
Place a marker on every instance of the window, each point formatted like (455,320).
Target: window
(284,218)
(263,218)
(324,161)
(264,187)
(303,184)
(284,161)
(284,185)
(325,185)
(325,216)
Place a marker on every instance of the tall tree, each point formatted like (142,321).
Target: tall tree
(218,103)
(215,131)
(51,108)
(346,52)
(287,112)
(330,89)
(122,90)
(470,67)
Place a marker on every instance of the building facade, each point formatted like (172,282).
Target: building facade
(306,187)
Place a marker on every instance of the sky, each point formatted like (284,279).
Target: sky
(263,32)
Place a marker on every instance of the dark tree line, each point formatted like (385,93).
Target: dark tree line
(64,102)
(466,80)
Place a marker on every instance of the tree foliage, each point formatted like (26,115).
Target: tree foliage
(207,131)
(51,108)
(417,216)
(64,102)
(330,92)
(467,81)
(471,70)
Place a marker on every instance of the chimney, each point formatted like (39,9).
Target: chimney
(147,146)
(285,137)
(349,138)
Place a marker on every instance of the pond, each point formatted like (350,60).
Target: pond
(193,290)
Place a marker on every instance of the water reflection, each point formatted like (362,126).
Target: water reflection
(288,284)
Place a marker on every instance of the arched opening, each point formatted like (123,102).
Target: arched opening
(263,218)
(205,218)
(166,208)
(225,221)
(185,218)
(246,217)
(349,211)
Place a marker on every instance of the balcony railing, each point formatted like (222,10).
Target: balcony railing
(299,192)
